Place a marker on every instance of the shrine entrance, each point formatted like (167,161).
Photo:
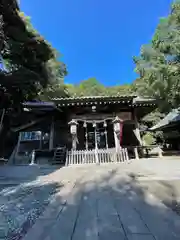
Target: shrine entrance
(96,141)
(96,136)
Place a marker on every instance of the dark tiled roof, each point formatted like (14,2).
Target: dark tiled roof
(39,104)
(94,98)
(171,117)
(132,100)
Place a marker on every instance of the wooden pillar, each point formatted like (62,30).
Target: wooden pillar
(105,132)
(106,138)
(160,151)
(96,144)
(117,132)
(74,141)
(73,130)
(40,141)
(18,145)
(136,153)
(95,134)
(116,140)
(2,118)
(86,135)
(33,156)
(51,135)
(137,131)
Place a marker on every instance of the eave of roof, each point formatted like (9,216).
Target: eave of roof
(42,106)
(94,98)
(39,104)
(170,118)
(131,100)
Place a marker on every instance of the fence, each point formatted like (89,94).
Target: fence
(96,156)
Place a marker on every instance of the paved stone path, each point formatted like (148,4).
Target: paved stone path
(92,202)
(104,203)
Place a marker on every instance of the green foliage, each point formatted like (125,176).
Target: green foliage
(92,87)
(89,87)
(153,117)
(53,91)
(149,139)
(30,63)
(119,90)
(159,62)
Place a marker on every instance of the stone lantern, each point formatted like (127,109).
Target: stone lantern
(73,130)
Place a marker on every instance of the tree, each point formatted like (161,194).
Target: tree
(119,90)
(28,59)
(159,62)
(56,87)
(92,87)
(28,62)
(25,56)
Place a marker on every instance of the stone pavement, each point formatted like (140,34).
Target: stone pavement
(90,202)
(105,203)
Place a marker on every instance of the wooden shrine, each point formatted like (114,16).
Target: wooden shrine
(81,124)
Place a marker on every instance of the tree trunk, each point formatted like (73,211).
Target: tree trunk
(5,129)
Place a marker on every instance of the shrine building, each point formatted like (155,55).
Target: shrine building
(81,124)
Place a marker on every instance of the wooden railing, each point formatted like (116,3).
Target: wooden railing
(96,156)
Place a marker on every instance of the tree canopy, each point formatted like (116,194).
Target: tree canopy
(29,59)
(29,63)
(31,69)
(158,65)
(88,87)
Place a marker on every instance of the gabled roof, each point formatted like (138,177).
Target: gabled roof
(171,117)
(177,118)
(94,97)
(40,105)
(132,100)
(139,99)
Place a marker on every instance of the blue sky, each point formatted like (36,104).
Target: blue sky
(97,38)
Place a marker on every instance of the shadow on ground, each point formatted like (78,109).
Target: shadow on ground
(106,207)
(18,174)
(23,197)
(20,207)
(167,191)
